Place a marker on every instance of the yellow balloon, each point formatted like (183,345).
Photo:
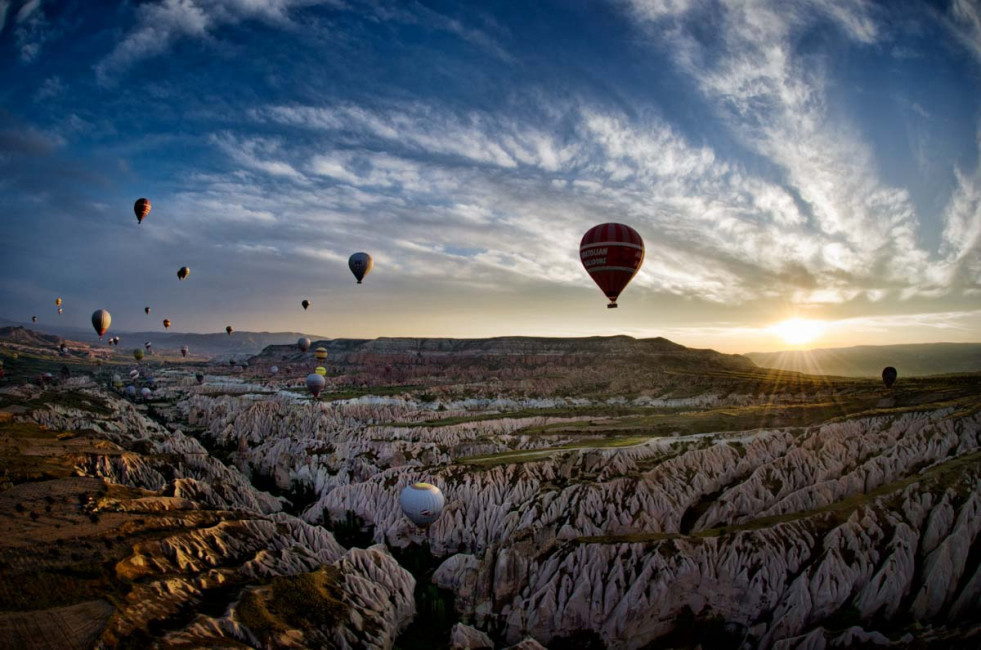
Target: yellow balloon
(321,371)
(320,353)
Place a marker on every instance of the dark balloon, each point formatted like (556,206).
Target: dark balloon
(305,303)
(141,208)
(229,330)
(360,265)
(889,376)
(166,323)
(612,254)
(147,310)
(100,321)
(183,272)
(199,376)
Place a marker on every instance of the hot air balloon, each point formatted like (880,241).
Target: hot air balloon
(320,371)
(57,302)
(612,254)
(59,311)
(305,303)
(100,321)
(360,265)
(33,319)
(147,310)
(141,208)
(183,350)
(183,272)
(303,344)
(320,353)
(199,376)
(148,345)
(229,330)
(145,393)
(130,391)
(422,503)
(166,323)
(273,370)
(138,355)
(63,349)
(315,384)
(134,374)
(889,376)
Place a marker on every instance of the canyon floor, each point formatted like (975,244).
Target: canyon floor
(599,493)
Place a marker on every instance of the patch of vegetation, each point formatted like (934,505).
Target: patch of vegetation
(435,611)
(702,630)
(304,602)
(352,531)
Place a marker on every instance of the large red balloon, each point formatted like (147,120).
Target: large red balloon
(612,254)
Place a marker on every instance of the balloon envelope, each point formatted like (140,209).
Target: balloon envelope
(138,354)
(183,350)
(274,370)
(166,323)
(199,376)
(320,353)
(58,302)
(100,321)
(229,330)
(612,254)
(422,503)
(305,303)
(147,310)
(321,371)
(303,344)
(889,376)
(183,272)
(130,391)
(141,208)
(315,384)
(360,265)
(146,392)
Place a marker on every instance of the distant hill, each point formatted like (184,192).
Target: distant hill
(212,344)
(869,360)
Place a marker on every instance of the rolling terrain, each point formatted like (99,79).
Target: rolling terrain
(869,360)
(604,492)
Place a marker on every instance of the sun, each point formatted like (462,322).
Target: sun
(798,331)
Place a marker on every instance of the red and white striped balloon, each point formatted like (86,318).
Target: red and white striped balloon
(612,254)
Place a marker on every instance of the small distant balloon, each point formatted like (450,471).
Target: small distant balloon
(320,371)
(142,209)
(148,345)
(889,376)
(138,354)
(315,384)
(199,376)
(303,344)
(422,503)
(33,319)
(229,330)
(130,391)
(183,350)
(320,354)
(145,393)
(134,374)
(100,321)
(166,323)
(183,272)
(273,370)
(147,310)
(58,302)
(305,303)
(59,311)
(360,265)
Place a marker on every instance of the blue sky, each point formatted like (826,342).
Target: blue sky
(812,159)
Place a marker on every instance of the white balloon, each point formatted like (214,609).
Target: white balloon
(422,503)
(315,383)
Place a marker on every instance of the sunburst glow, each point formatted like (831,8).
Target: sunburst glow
(798,331)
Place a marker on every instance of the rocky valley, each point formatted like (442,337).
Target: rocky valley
(604,492)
